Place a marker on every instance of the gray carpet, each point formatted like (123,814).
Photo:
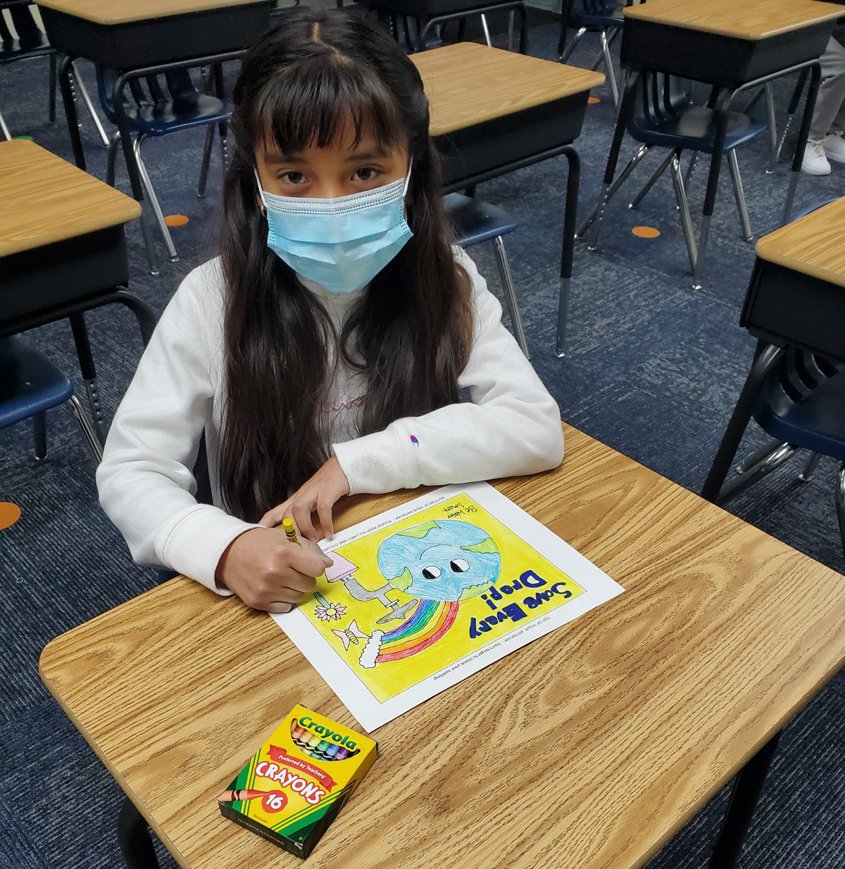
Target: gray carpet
(654,369)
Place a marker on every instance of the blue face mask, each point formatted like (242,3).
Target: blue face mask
(343,243)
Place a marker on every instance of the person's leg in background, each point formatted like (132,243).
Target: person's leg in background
(825,141)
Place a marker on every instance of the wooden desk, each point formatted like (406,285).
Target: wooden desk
(796,297)
(734,47)
(592,744)
(136,33)
(495,111)
(62,248)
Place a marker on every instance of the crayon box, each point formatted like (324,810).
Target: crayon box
(293,787)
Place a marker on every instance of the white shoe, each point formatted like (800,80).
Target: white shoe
(815,159)
(834,147)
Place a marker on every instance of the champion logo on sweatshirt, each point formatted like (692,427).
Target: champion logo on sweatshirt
(414,440)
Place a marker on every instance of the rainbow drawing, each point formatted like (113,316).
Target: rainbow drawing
(428,622)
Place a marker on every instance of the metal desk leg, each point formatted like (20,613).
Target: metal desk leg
(89,372)
(806,120)
(133,834)
(66,85)
(746,792)
(567,247)
(764,362)
(712,184)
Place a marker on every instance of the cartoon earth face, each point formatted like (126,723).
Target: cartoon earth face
(445,560)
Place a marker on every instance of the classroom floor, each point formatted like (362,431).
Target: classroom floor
(654,369)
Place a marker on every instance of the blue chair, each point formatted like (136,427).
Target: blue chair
(475,222)
(657,111)
(31,385)
(593,16)
(159,105)
(800,403)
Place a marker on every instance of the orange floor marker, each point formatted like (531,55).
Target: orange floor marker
(9,514)
(593,100)
(645,232)
(177,220)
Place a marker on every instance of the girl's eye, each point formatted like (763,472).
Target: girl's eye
(293,177)
(367,173)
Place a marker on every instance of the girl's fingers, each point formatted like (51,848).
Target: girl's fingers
(324,514)
(302,516)
(278,606)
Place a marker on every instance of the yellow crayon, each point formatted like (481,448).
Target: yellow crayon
(290,530)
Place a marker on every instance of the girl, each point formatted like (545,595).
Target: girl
(325,352)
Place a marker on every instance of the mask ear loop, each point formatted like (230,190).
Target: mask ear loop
(260,192)
(407,177)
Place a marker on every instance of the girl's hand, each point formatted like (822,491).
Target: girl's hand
(317,495)
(267,572)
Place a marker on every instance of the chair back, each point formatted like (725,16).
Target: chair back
(658,99)
(30,37)
(153,94)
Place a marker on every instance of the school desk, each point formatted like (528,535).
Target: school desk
(589,747)
(145,37)
(495,111)
(734,47)
(796,297)
(62,249)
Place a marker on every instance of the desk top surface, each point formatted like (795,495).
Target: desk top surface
(125,11)
(468,84)
(813,245)
(44,199)
(595,742)
(752,19)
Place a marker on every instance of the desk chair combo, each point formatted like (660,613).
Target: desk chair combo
(29,42)
(733,49)
(795,390)
(62,251)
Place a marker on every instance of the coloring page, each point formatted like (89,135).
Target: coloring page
(424,595)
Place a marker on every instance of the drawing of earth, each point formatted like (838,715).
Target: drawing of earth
(443,560)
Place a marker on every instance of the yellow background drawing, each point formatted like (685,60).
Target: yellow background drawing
(389,678)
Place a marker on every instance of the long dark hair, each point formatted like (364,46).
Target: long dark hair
(409,333)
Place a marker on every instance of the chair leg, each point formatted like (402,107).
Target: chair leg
(39,434)
(111,158)
(608,62)
(88,368)
(610,189)
(511,25)
(771,462)
(206,160)
(133,834)
(54,80)
(569,49)
(486,30)
(683,205)
(772,123)
(634,203)
(88,433)
(86,98)
(792,108)
(739,193)
(810,468)
(154,203)
(4,129)
(223,131)
(840,504)
(510,293)
(691,168)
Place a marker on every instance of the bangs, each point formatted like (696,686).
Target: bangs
(321,98)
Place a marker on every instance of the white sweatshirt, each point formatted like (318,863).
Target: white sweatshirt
(509,426)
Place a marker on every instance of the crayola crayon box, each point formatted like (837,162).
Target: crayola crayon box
(295,785)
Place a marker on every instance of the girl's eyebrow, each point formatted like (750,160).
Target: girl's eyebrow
(355,156)
(282,158)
